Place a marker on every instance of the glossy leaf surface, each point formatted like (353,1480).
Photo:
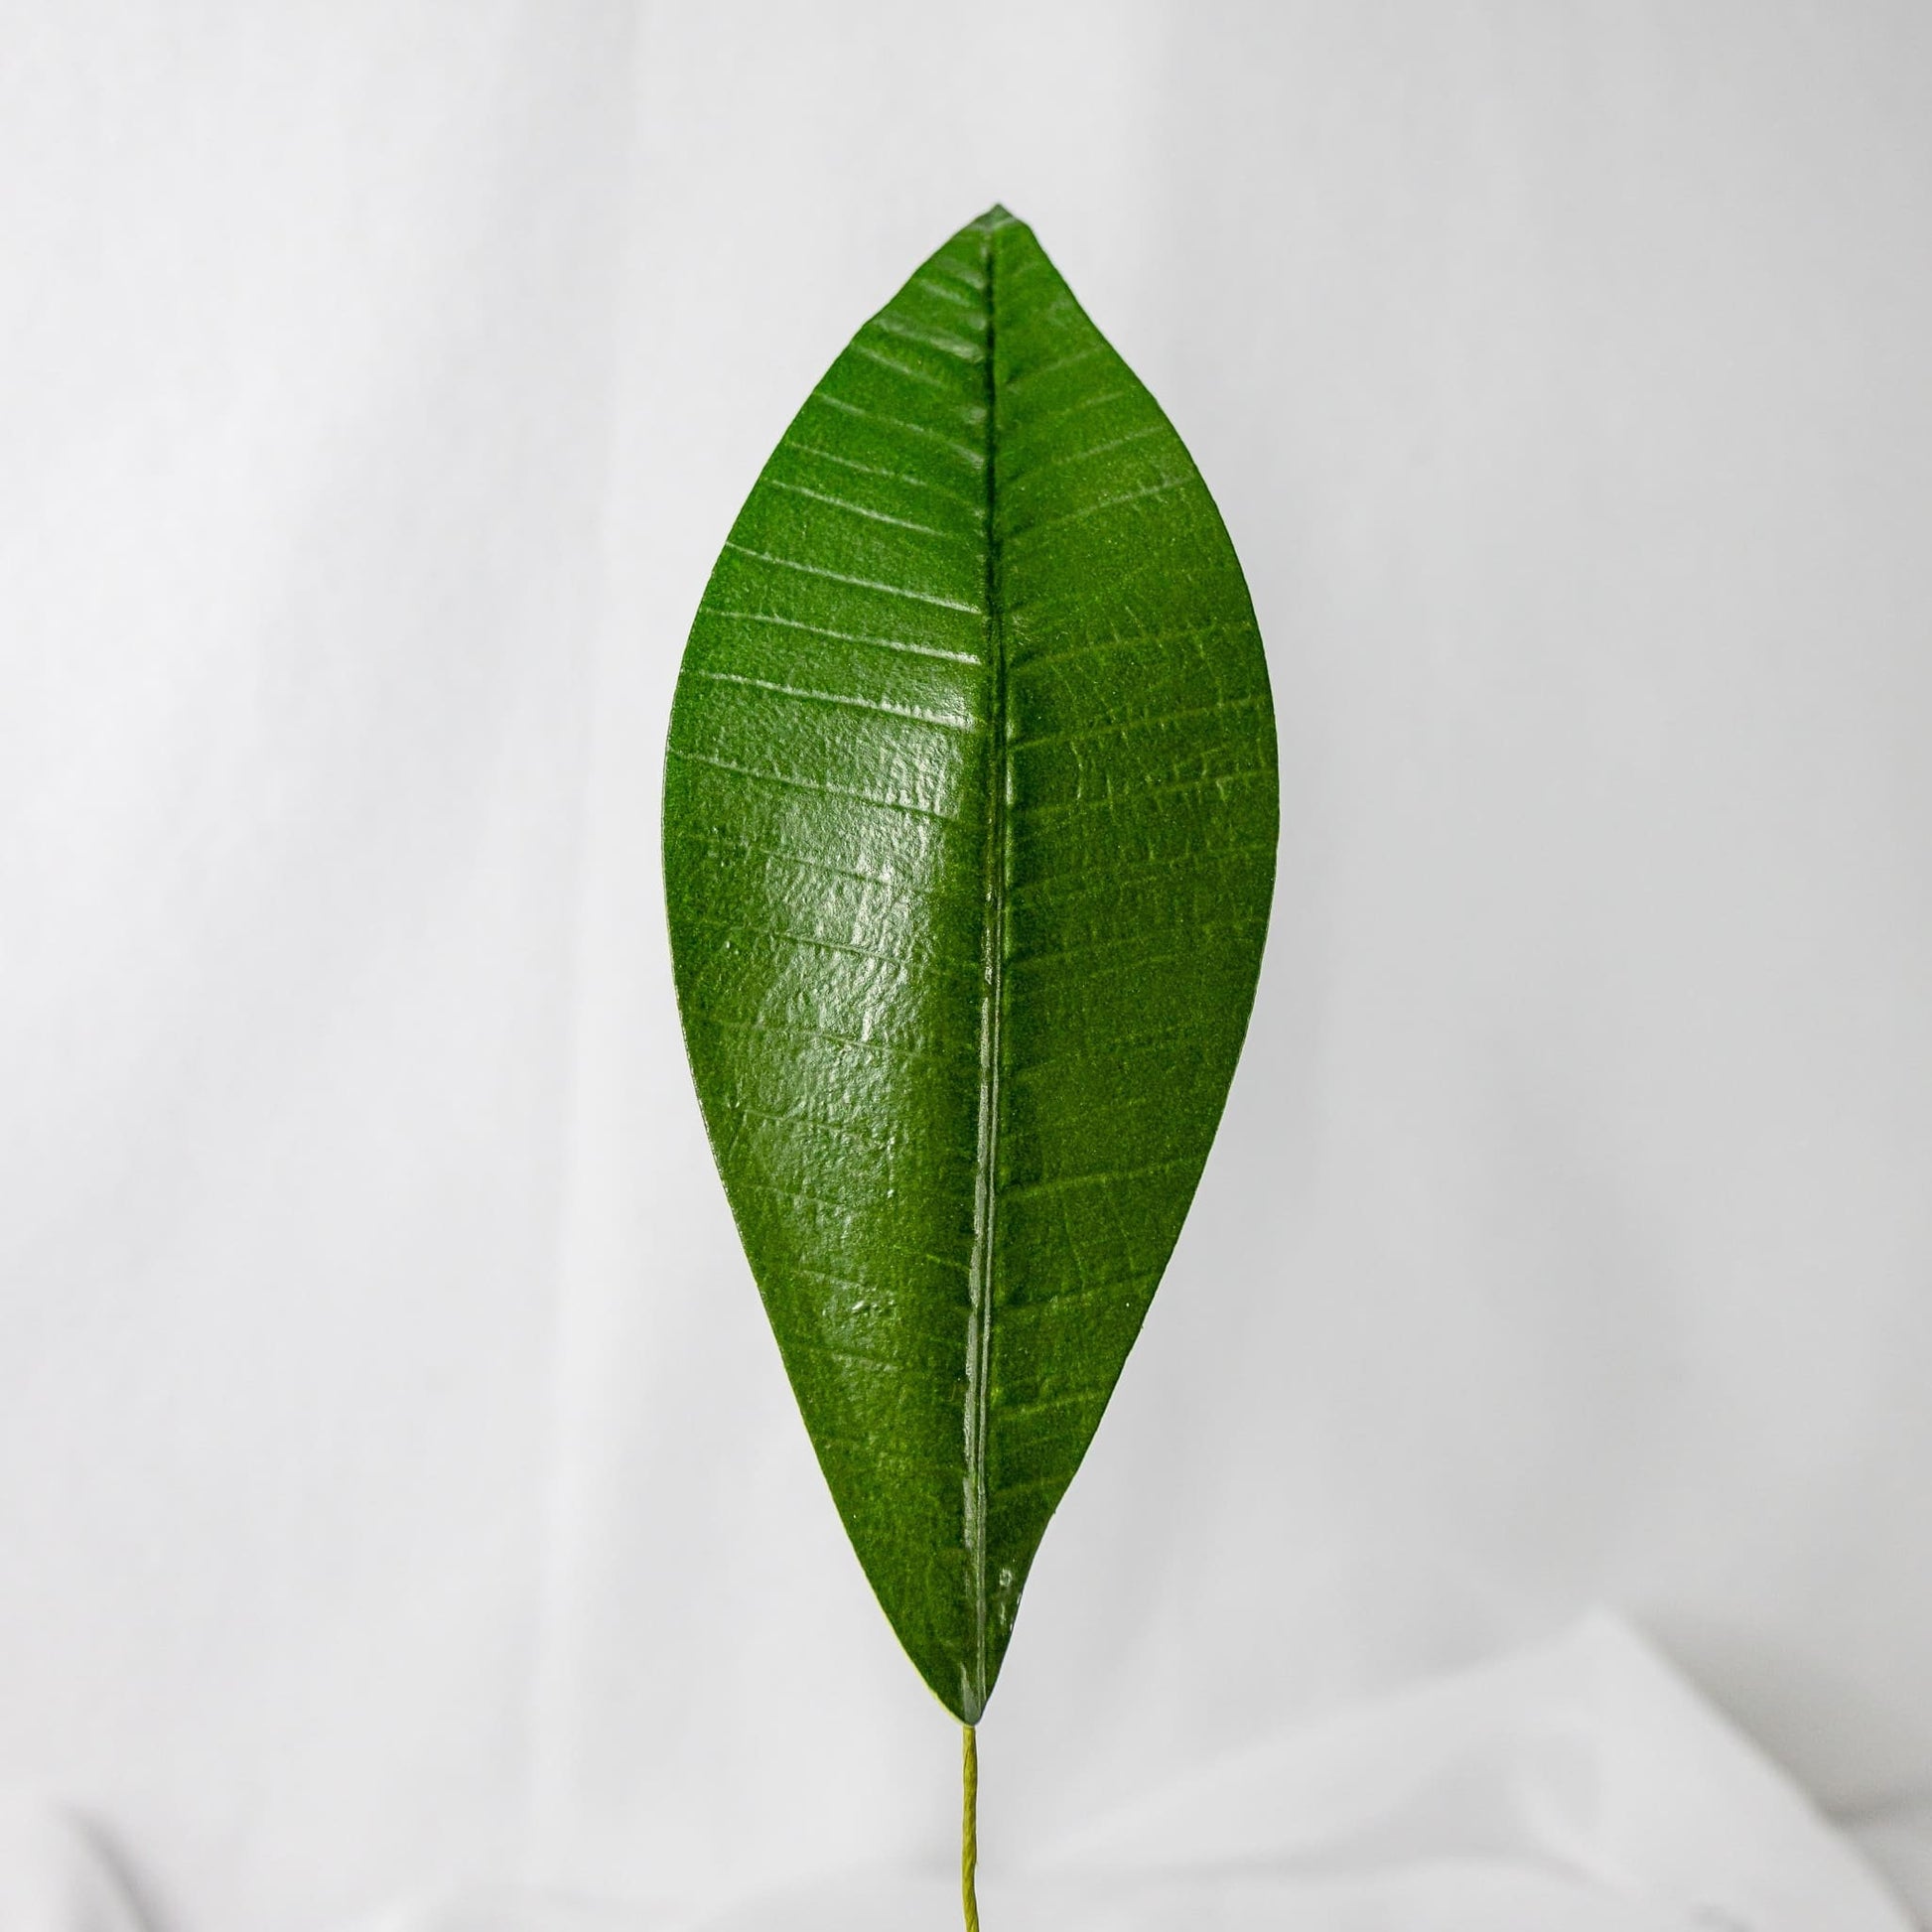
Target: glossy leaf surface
(969,840)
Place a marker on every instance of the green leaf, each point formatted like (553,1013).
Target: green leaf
(969,841)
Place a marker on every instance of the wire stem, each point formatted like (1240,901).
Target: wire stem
(969,1829)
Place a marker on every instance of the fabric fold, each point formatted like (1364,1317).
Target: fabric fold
(54,1874)
(1581,1786)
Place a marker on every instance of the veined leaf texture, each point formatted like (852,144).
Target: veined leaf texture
(970,817)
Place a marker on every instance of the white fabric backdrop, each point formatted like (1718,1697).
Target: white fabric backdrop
(398,1489)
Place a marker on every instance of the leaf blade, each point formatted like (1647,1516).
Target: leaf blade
(969,843)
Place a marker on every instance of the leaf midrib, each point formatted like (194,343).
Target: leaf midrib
(979,1350)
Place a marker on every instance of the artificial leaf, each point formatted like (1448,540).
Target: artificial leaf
(969,841)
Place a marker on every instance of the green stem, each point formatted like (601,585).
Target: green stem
(969,1831)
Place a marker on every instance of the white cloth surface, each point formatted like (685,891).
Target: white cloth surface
(1583,1787)
(399,1494)
(55,1875)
